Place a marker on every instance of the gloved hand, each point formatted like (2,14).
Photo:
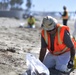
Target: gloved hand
(70,64)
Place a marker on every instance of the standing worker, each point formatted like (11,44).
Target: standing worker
(57,49)
(65,15)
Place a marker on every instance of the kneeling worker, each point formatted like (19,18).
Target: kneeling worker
(31,22)
(57,49)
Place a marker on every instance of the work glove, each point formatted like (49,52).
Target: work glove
(70,64)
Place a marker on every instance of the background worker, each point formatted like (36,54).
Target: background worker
(31,22)
(65,15)
(57,49)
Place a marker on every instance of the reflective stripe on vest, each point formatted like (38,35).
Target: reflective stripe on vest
(59,41)
(56,53)
(46,36)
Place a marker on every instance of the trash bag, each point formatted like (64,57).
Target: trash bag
(35,66)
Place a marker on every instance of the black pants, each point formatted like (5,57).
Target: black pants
(65,21)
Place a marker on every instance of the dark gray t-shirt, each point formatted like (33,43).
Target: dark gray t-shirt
(67,40)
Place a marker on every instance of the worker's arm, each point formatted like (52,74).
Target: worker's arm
(43,49)
(69,44)
(72,53)
(42,54)
(64,14)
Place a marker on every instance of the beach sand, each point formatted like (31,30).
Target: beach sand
(15,42)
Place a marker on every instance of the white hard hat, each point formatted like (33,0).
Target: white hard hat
(49,23)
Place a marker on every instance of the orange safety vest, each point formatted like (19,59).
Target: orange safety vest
(65,17)
(59,46)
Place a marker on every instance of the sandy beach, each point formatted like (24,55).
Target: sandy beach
(15,42)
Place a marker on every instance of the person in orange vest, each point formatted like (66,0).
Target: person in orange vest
(57,49)
(65,15)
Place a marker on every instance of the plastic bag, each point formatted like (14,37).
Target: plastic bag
(35,66)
